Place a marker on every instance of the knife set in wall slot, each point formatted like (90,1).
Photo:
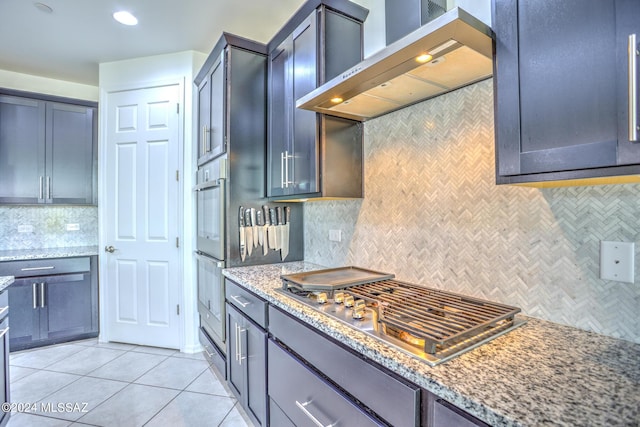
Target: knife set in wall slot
(267,228)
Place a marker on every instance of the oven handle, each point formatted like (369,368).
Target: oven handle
(206,258)
(210,184)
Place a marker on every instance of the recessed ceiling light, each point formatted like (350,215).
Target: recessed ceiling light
(43,7)
(125,18)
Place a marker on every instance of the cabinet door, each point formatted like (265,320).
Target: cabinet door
(22,130)
(70,152)
(66,306)
(280,120)
(24,304)
(217,132)
(627,24)
(303,165)
(235,368)
(556,83)
(211,295)
(204,118)
(254,349)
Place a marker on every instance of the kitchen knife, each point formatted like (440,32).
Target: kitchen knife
(265,247)
(248,230)
(243,247)
(273,234)
(260,223)
(284,250)
(254,224)
(280,227)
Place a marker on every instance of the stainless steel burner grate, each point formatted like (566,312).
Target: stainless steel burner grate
(442,319)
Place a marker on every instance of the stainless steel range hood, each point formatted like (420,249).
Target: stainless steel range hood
(456,50)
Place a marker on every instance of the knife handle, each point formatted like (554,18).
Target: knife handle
(247,218)
(272,215)
(241,217)
(287,214)
(279,215)
(259,220)
(253,217)
(265,209)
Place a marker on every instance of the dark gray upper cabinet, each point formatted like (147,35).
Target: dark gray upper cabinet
(48,151)
(323,39)
(231,96)
(563,91)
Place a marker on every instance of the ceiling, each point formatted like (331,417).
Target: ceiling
(69,42)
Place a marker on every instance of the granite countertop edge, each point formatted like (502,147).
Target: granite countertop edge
(45,253)
(5,281)
(527,377)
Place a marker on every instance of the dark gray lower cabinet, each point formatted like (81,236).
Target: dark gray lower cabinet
(246,351)
(52,308)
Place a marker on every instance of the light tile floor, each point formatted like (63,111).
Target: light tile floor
(120,385)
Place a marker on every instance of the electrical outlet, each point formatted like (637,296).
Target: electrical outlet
(73,227)
(617,261)
(335,235)
(25,228)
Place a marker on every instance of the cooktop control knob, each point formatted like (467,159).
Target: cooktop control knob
(321,297)
(348,300)
(338,297)
(358,309)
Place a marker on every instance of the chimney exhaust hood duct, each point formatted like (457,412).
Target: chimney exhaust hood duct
(456,49)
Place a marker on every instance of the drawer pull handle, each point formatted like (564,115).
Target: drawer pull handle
(303,408)
(50,267)
(34,294)
(237,300)
(4,331)
(206,350)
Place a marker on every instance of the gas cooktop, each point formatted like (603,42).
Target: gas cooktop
(430,324)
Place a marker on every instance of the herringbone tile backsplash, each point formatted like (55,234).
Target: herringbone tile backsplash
(433,215)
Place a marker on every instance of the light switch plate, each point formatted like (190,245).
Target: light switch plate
(617,261)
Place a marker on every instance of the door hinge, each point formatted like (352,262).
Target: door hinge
(177,242)
(177,175)
(178,309)
(178,108)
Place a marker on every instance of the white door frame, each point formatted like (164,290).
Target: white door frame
(102,189)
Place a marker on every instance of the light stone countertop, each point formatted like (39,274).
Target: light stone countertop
(541,373)
(5,281)
(27,254)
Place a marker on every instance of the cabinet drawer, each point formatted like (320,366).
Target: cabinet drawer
(394,400)
(307,399)
(45,267)
(248,303)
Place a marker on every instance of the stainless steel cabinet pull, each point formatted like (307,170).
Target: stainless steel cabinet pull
(50,267)
(633,89)
(281,170)
(34,293)
(240,356)
(4,331)
(237,343)
(41,194)
(236,298)
(42,295)
(286,169)
(206,350)
(48,188)
(303,408)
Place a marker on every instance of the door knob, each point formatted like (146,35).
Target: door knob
(109,249)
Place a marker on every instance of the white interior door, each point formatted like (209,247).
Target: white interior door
(141,281)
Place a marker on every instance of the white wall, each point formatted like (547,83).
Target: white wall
(138,73)
(29,83)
